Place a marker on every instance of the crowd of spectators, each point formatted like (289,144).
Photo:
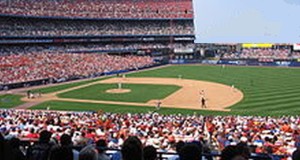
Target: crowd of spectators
(228,135)
(63,62)
(229,55)
(260,53)
(296,55)
(90,48)
(111,47)
(17,68)
(266,53)
(100,8)
(135,46)
(42,27)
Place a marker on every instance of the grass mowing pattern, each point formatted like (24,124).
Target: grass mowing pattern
(139,92)
(75,106)
(65,86)
(10,101)
(267,91)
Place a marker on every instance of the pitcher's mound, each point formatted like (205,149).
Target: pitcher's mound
(116,91)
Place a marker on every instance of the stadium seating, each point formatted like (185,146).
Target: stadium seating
(9,50)
(268,53)
(265,53)
(265,135)
(20,64)
(17,68)
(295,55)
(100,8)
(42,27)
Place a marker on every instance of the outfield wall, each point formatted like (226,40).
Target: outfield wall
(250,62)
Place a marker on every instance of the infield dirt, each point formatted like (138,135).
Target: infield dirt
(218,96)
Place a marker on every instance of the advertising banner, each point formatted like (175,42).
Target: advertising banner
(183,50)
(296,47)
(257,45)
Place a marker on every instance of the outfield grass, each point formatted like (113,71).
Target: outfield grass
(139,92)
(75,106)
(10,101)
(265,89)
(65,86)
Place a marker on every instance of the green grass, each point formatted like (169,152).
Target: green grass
(266,90)
(10,101)
(139,92)
(65,86)
(75,106)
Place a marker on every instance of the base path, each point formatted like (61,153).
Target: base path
(218,96)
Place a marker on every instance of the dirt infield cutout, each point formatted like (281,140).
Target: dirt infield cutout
(218,96)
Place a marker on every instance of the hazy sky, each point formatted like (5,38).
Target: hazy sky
(255,21)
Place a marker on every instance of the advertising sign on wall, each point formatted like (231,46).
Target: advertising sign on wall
(257,45)
(296,46)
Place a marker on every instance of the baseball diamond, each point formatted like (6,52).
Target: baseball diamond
(258,91)
(149,80)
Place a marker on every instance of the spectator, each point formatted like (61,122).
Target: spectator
(3,148)
(243,150)
(64,66)
(154,129)
(41,150)
(190,152)
(179,146)
(132,149)
(101,9)
(101,147)
(88,153)
(53,27)
(230,153)
(66,142)
(16,153)
(61,153)
(296,154)
(262,54)
(150,153)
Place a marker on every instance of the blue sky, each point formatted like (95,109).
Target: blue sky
(252,21)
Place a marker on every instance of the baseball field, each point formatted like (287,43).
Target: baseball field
(228,90)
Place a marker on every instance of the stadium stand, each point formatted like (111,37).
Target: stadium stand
(52,27)
(71,48)
(256,135)
(100,8)
(36,34)
(121,30)
(39,66)
(295,55)
(267,53)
